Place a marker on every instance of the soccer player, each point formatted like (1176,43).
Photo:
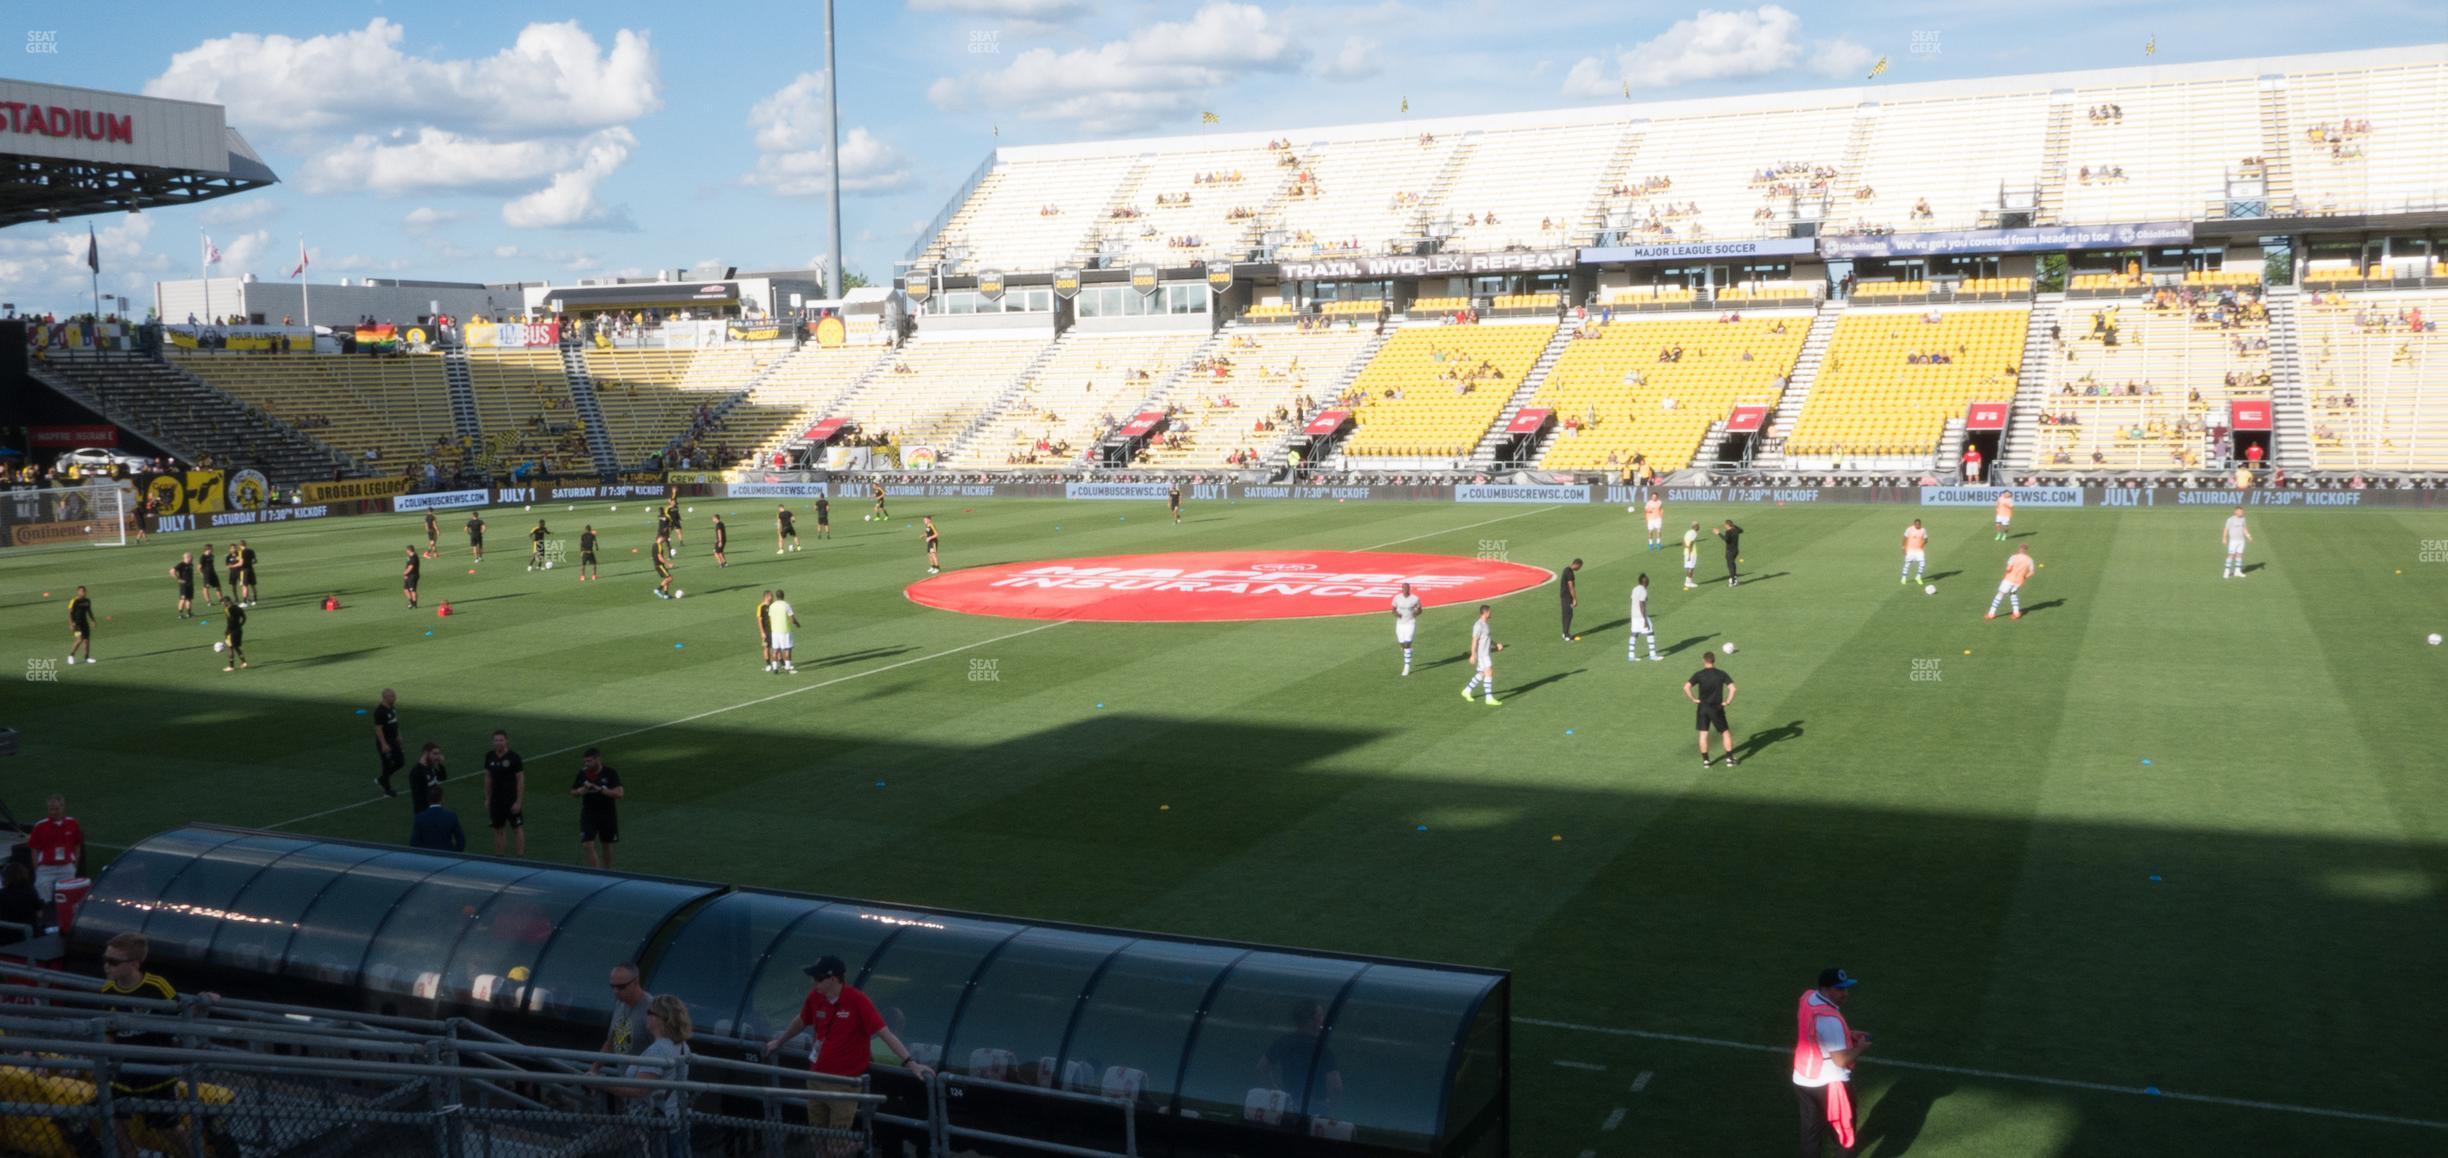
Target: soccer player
(765,630)
(1733,548)
(1173,499)
(475,530)
(212,578)
(243,572)
(786,536)
(663,524)
(413,570)
(433,536)
(505,778)
(2237,535)
(586,555)
(598,789)
(1568,588)
(876,489)
(143,515)
(184,572)
(2005,513)
(1712,691)
(722,541)
(671,514)
(535,545)
(779,620)
(934,564)
(1655,511)
(1691,558)
(233,637)
(1406,623)
(663,568)
(387,751)
(1642,624)
(824,519)
(80,627)
(1916,553)
(2018,571)
(1483,649)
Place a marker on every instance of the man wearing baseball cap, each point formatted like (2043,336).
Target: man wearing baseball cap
(842,1021)
(1824,1051)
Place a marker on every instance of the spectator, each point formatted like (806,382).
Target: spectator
(437,827)
(21,908)
(628,1033)
(424,777)
(58,843)
(843,1020)
(667,1019)
(598,789)
(124,975)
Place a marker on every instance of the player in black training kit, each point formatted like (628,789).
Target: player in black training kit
(433,536)
(586,554)
(409,574)
(1568,585)
(80,627)
(242,572)
(212,578)
(535,545)
(1173,500)
(1733,545)
(786,536)
(934,565)
(671,515)
(1711,691)
(722,541)
(663,568)
(233,637)
(475,530)
(824,517)
(505,778)
(877,490)
(184,572)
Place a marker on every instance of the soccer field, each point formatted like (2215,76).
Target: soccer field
(2166,831)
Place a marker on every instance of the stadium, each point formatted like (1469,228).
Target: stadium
(1120,804)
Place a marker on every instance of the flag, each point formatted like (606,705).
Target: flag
(1879,69)
(301,265)
(93,250)
(2152,47)
(1210,119)
(1627,88)
(1406,104)
(212,253)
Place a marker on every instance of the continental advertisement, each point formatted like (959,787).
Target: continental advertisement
(352,490)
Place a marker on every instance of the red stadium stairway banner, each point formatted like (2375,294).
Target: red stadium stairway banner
(1213,586)
(1986,416)
(1531,420)
(825,430)
(1141,424)
(2250,413)
(1327,422)
(1746,420)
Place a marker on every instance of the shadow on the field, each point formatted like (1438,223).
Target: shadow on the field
(1903,1109)
(1543,681)
(2018,535)
(1941,575)
(1761,741)
(490,598)
(2249,568)
(1609,625)
(325,659)
(2036,608)
(1693,641)
(855,656)
(1763,578)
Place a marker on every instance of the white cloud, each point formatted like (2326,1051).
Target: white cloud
(1356,61)
(47,264)
(1714,45)
(239,210)
(1153,75)
(792,159)
(1841,59)
(1042,10)
(555,78)
(569,202)
(425,217)
(247,253)
(440,159)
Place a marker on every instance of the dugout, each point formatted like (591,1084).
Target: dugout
(1220,1048)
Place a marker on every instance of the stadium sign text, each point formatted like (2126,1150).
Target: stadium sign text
(1520,494)
(1986,496)
(570,494)
(1153,492)
(69,124)
(1277,491)
(1428,265)
(805,490)
(1685,251)
(1622,494)
(1205,586)
(266,515)
(2035,240)
(441,500)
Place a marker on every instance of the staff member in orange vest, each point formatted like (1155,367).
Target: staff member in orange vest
(1825,1048)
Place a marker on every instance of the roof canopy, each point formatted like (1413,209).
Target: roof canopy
(67,152)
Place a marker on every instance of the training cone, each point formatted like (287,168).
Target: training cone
(443,611)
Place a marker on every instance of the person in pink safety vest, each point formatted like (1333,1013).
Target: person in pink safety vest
(1825,1048)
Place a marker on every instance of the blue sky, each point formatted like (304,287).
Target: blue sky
(470,142)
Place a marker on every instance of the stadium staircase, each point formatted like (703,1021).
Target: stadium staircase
(187,416)
(958,444)
(730,402)
(1771,454)
(1432,205)
(589,408)
(1856,154)
(1949,456)
(2020,444)
(1279,454)
(2053,159)
(1162,392)
(794,439)
(1483,456)
(2290,415)
(1090,251)
(462,396)
(1618,171)
(2277,153)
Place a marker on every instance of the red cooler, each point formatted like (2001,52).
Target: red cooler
(70,893)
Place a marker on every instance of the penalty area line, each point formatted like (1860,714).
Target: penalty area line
(563,751)
(1998,1075)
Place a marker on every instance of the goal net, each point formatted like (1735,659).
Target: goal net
(94,514)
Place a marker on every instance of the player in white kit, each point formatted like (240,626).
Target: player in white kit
(1406,622)
(1483,649)
(2236,536)
(1691,556)
(1916,552)
(1641,623)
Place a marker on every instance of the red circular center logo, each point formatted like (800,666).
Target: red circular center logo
(1210,586)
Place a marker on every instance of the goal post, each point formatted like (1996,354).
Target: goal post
(91,514)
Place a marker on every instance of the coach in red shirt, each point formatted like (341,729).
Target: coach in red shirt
(841,1020)
(58,845)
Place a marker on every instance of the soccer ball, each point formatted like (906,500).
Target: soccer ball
(548,564)
(1728,648)
(866,518)
(218,644)
(2434,639)
(679,594)
(1929,589)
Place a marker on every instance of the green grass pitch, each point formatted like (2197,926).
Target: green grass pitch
(2256,913)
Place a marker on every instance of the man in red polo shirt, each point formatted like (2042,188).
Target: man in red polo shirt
(58,844)
(842,1021)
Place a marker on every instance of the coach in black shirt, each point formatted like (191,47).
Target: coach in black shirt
(387,741)
(1733,545)
(1568,586)
(1712,691)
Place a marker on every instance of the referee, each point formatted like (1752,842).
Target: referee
(1712,691)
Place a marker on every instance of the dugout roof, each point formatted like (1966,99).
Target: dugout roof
(1421,1050)
(71,152)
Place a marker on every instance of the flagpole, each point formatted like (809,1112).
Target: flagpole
(207,256)
(306,296)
